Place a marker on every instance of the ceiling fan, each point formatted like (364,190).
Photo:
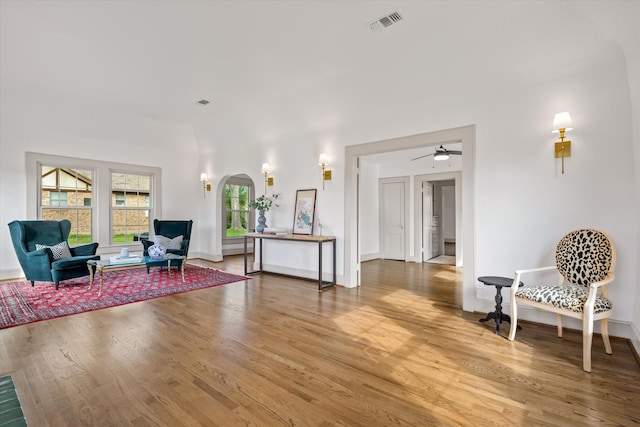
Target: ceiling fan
(441,153)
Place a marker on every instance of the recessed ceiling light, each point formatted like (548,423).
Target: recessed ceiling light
(203,102)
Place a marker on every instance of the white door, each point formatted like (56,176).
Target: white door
(393,221)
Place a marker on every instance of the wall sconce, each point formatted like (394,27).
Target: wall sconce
(205,186)
(326,173)
(268,180)
(562,124)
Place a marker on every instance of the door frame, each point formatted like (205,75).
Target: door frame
(444,176)
(464,134)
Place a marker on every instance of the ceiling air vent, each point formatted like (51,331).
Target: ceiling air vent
(385,21)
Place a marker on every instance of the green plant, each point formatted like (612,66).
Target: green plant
(264,203)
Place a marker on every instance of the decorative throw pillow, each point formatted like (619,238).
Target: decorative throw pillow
(60,250)
(175,243)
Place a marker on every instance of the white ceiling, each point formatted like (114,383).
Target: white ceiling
(292,66)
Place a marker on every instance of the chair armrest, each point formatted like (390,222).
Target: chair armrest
(146,244)
(37,262)
(520,273)
(89,249)
(533,270)
(185,246)
(40,255)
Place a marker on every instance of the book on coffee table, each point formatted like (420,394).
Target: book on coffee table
(131,259)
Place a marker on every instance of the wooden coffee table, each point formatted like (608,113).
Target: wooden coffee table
(98,266)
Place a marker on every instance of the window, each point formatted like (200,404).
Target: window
(239,217)
(130,206)
(237,208)
(63,195)
(109,203)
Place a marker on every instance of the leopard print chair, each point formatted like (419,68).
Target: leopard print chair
(585,261)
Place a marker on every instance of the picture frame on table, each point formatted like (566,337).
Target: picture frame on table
(305,210)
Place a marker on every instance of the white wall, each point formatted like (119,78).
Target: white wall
(369,213)
(51,124)
(523,203)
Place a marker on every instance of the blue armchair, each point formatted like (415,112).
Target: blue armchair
(171,229)
(42,258)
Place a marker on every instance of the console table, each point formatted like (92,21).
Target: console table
(319,240)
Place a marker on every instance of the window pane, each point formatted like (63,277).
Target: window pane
(64,189)
(129,225)
(117,181)
(237,209)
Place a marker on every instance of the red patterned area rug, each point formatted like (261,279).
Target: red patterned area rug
(20,303)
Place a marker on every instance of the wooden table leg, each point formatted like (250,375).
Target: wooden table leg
(90,267)
(100,267)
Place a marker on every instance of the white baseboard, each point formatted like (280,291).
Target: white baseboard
(306,274)
(369,257)
(12,273)
(617,328)
(635,338)
(205,256)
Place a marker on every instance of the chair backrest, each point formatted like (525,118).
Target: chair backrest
(585,256)
(171,229)
(49,233)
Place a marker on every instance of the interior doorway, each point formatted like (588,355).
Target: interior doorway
(439,222)
(464,135)
(393,217)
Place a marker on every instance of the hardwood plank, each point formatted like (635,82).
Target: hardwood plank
(272,350)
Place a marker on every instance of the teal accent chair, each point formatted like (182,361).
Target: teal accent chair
(171,229)
(39,264)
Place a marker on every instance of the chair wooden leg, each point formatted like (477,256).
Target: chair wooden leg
(514,320)
(559,321)
(604,330)
(587,337)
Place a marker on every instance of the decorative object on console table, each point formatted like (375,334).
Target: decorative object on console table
(305,209)
(262,222)
(262,204)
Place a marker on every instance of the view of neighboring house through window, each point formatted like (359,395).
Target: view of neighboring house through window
(237,198)
(130,206)
(66,193)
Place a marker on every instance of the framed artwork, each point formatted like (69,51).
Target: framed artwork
(305,211)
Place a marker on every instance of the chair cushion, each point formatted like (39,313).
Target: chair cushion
(175,243)
(60,250)
(566,297)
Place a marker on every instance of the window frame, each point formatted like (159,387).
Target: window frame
(124,205)
(101,230)
(237,180)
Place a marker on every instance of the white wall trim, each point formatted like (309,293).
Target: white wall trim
(369,257)
(417,212)
(617,328)
(465,134)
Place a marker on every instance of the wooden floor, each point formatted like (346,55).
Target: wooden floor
(272,351)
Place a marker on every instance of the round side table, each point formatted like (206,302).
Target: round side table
(499,283)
